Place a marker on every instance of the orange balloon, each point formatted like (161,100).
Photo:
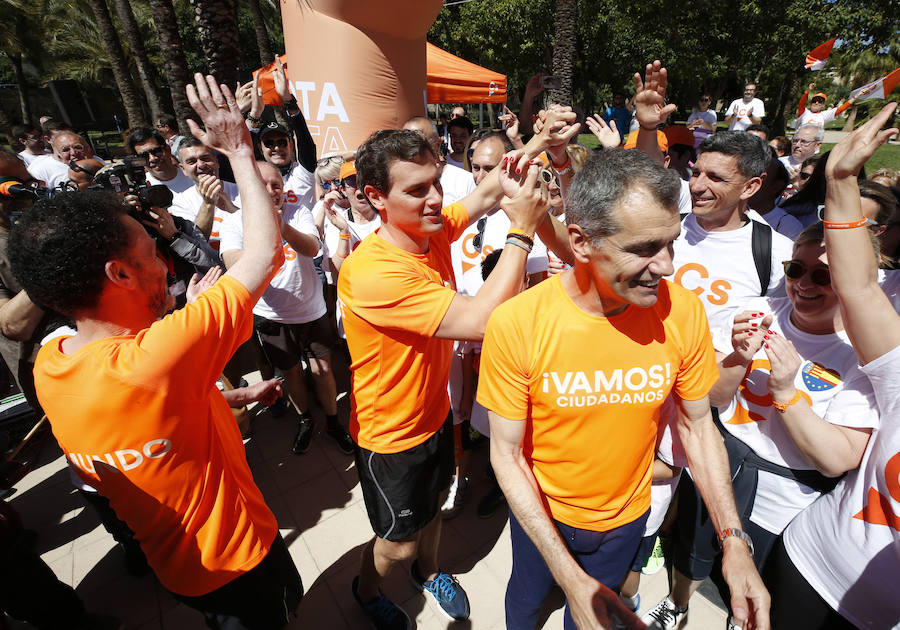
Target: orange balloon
(356,66)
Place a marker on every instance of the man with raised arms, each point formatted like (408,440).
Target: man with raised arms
(132,397)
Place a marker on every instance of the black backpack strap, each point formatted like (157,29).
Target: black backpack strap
(761,243)
(682,215)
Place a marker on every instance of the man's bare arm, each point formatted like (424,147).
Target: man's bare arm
(19,316)
(226,132)
(708,462)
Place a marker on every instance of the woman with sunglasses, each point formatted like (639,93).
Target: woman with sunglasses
(702,121)
(794,408)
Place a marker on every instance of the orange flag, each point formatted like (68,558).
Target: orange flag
(815,60)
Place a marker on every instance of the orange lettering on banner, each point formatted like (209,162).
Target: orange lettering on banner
(719,290)
(743,415)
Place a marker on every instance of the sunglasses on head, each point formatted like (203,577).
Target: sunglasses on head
(794,269)
(155,152)
(477,241)
(334,159)
(78,169)
(328,184)
(350,181)
(271,143)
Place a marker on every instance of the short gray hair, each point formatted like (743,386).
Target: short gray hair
(820,131)
(606,177)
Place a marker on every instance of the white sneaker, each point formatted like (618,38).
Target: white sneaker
(664,616)
(455,498)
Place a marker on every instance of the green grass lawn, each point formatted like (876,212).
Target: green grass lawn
(887,156)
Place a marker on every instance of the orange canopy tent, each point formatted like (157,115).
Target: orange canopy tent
(450,80)
(455,80)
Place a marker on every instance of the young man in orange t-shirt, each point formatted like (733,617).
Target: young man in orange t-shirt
(574,373)
(132,397)
(401,313)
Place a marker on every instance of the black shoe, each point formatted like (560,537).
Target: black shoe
(383,614)
(342,438)
(304,437)
(491,501)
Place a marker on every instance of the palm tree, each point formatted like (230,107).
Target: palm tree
(135,42)
(217,24)
(117,63)
(17,39)
(176,67)
(262,34)
(564,50)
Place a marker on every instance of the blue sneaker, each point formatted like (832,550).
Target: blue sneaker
(449,595)
(383,614)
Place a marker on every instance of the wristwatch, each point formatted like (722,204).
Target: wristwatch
(738,533)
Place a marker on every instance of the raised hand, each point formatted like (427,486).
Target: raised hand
(280,81)
(526,202)
(257,105)
(650,96)
(535,84)
(197,286)
(225,130)
(607,134)
(849,155)
(333,210)
(243,96)
(510,123)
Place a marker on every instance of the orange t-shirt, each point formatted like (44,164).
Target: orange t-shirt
(590,390)
(141,420)
(392,302)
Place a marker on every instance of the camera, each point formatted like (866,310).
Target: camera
(128,177)
(11,187)
(552,82)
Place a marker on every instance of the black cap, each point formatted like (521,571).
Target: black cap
(273,127)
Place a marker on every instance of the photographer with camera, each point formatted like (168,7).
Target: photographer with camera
(162,168)
(179,242)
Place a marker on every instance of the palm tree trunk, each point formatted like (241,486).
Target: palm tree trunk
(217,25)
(117,62)
(262,34)
(564,50)
(851,119)
(136,45)
(22,83)
(175,63)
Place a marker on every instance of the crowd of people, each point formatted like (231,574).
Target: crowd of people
(688,330)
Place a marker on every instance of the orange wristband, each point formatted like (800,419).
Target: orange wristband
(837,225)
(565,165)
(521,233)
(344,237)
(783,407)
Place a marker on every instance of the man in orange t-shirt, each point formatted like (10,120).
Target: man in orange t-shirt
(401,313)
(132,397)
(574,373)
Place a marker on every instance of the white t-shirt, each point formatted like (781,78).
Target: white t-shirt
(719,267)
(177,184)
(295,294)
(684,198)
(187,205)
(28,158)
(358,231)
(847,543)
(702,133)
(456,183)
(49,170)
(742,112)
(821,118)
(299,190)
(460,164)
(830,380)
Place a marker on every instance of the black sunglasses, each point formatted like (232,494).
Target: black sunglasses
(350,181)
(277,142)
(155,152)
(794,269)
(476,242)
(549,177)
(805,176)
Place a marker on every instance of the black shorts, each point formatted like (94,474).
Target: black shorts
(264,597)
(283,344)
(402,490)
(645,550)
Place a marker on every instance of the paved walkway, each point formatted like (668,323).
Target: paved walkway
(318,502)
